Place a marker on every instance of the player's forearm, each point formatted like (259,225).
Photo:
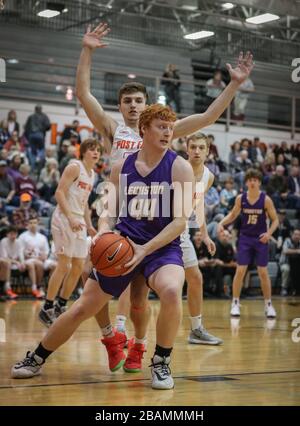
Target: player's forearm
(168,234)
(273,227)
(63,203)
(216,109)
(87,217)
(106,224)
(83,75)
(228,219)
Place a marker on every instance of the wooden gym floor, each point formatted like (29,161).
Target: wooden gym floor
(258,364)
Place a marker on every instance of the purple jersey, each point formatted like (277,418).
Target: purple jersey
(146,205)
(254,218)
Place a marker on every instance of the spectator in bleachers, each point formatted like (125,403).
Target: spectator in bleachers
(234,155)
(227,195)
(225,264)
(284,229)
(296,151)
(277,188)
(36,251)
(214,87)
(3,154)
(206,263)
(7,185)
(14,144)
(280,161)
(269,165)
(63,151)
(212,165)
(257,153)
(4,133)
(294,186)
(71,155)
(212,226)
(13,125)
(172,88)
(26,184)
(36,126)
(22,215)
(212,201)
(179,146)
(11,254)
(243,164)
(295,162)
(286,152)
(14,167)
(48,180)
(290,263)
(241,99)
(66,135)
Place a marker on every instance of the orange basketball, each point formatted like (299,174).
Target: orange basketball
(110,253)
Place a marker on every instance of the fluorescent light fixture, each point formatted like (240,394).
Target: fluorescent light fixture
(262,19)
(131,75)
(13,61)
(199,34)
(51,10)
(48,13)
(189,7)
(228,6)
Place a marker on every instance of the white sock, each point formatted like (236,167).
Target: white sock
(107,331)
(196,322)
(120,322)
(142,341)
(235,300)
(268,302)
(34,287)
(7,286)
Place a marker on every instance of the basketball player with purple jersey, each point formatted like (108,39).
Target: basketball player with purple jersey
(122,139)
(255,208)
(162,184)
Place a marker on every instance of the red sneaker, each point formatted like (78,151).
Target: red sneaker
(10,294)
(114,346)
(133,363)
(38,294)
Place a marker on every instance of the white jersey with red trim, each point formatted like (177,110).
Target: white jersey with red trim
(125,142)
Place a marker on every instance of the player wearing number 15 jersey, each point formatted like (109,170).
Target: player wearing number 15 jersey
(255,207)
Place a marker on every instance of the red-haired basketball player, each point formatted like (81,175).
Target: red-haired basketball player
(154,232)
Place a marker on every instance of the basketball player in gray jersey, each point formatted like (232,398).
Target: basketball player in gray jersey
(121,140)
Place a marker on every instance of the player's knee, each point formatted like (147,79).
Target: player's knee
(64,267)
(77,267)
(170,295)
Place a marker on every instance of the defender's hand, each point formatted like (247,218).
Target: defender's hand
(93,39)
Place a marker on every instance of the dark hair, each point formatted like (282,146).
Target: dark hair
(87,144)
(12,228)
(132,87)
(253,174)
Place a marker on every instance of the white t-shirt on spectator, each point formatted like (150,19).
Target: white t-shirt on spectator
(11,249)
(34,245)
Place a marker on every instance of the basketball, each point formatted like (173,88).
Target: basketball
(110,253)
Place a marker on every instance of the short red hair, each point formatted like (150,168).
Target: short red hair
(154,111)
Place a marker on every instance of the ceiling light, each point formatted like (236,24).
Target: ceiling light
(13,61)
(228,6)
(51,10)
(262,19)
(131,75)
(199,34)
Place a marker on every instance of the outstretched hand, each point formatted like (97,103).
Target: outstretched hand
(243,69)
(93,39)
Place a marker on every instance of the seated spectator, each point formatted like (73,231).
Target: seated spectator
(63,150)
(268,167)
(70,156)
(68,131)
(14,144)
(36,250)
(241,99)
(212,165)
(214,87)
(4,133)
(277,188)
(283,231)
(4,220)
(179,146)
(26,184)
(243,164)
(206,263)
(22,215)
(280,161)
(286,152)
(212,201)
(212,226)
(225,264)
(290,263)
(7,185)
(12,257)
(257,153)
(48,180)
(227,196)
(294,186)
(14,167)
(234,155)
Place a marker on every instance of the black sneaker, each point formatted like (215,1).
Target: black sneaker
(29,367)
(47,316)
(58,310)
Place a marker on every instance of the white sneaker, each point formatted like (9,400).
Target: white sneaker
(270,311)
(235,309)
(30,366)
(202,336)
(161,373)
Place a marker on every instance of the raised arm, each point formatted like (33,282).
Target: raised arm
(195,122)
(102,121)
